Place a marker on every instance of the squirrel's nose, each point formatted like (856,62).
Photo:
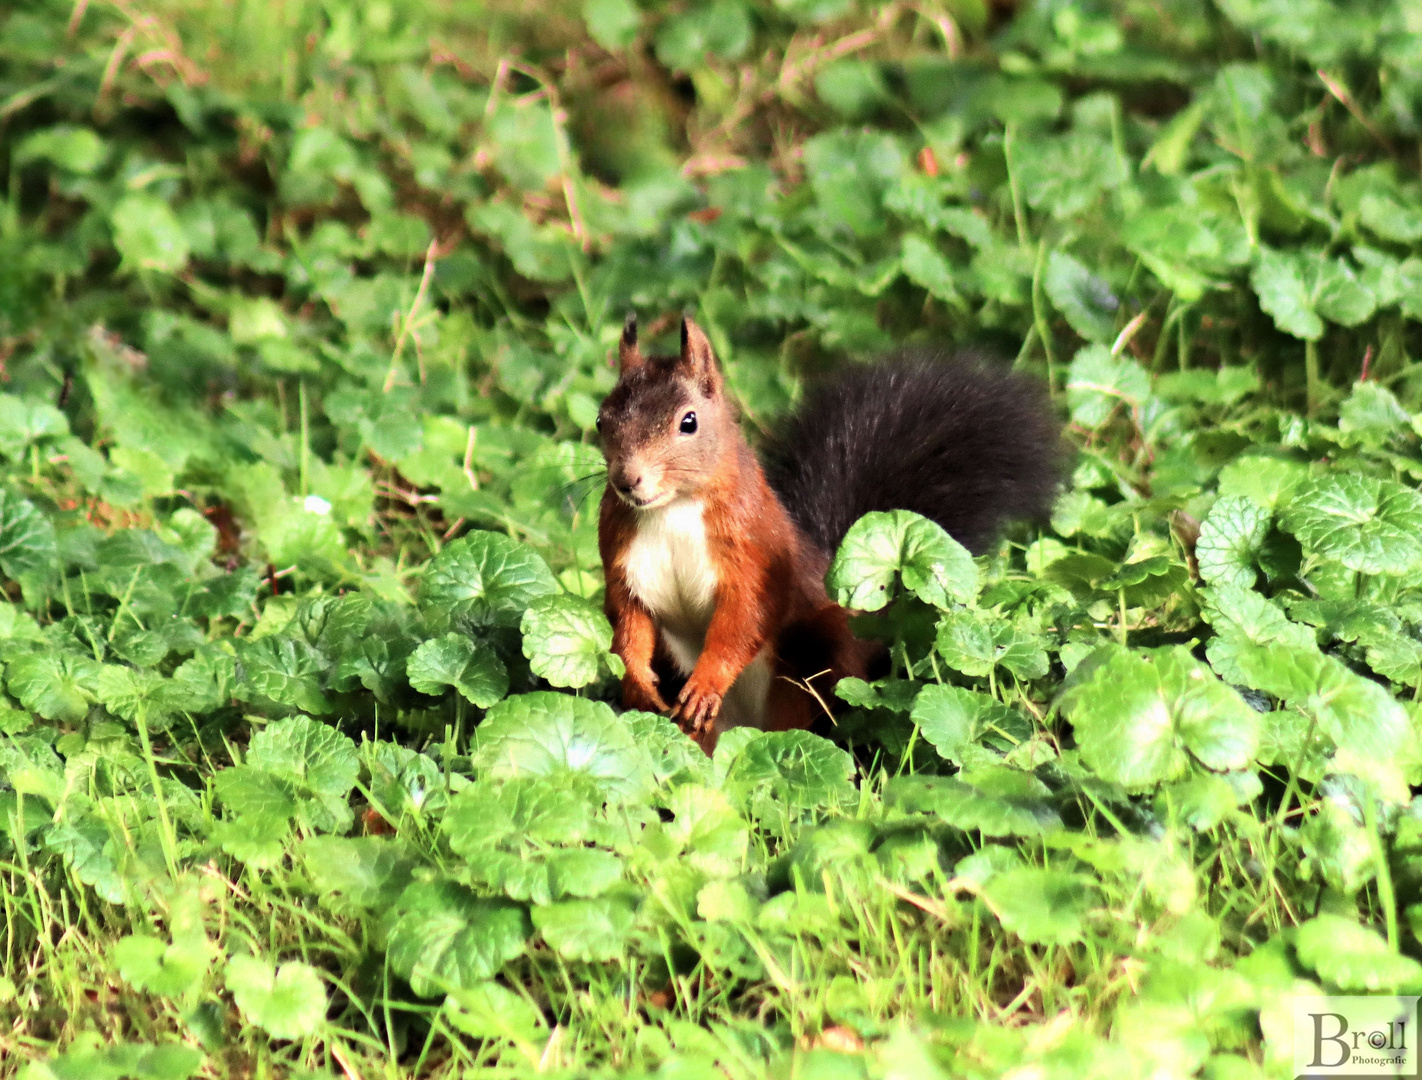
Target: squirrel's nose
(626,483)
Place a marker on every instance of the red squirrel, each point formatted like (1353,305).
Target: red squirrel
(715,563)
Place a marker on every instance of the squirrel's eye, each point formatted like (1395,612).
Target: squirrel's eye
(598,424)
(688,424)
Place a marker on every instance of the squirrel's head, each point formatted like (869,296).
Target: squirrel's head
(667,423)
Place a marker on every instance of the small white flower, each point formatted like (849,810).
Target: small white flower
(317,505)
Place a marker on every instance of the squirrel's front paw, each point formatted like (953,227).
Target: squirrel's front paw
(697,707)
(643,694)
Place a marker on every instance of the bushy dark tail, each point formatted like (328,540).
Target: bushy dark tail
(971,446)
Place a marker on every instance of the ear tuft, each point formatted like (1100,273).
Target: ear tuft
(629,355)
(697,356)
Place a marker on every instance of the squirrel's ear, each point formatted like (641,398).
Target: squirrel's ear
(698,357)
(629,356)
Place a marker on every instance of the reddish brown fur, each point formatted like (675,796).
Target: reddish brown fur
(770,587)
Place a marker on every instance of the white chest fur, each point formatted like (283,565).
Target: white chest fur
(668,567)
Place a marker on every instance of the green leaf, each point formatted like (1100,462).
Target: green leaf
(356,874)
(445,937)
(78,150)
(1042,907)
(157,967)
(85,1060)
(954,719)
(298,761)
(58,686)
(1387,217)
(455,660)
(1354,958)
(485,579)
(550,734)
(927,268)
(1358,714)
(24,423)
(1203,800)
(1368,524)
(1086,301)
(1139,716)
(1296,288)
(884,546)
(850,173)
(26,537)
(127,692)
(975,643)
(534,810)
(1285,293)
(1242,617)
(565,639)
(613,24)
(487,1010)
(281,670)
(1230,538)
(148,234)
(1098,382)
(705,833)
(794,769)
(1373,414)
(721,27)
(288,1002)
(590,930)
(995,800)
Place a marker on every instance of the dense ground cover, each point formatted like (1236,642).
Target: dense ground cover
(306,756)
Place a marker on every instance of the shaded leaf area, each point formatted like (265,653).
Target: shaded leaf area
(309,753)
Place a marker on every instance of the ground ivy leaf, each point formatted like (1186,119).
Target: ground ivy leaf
(356,874)
(148,234)
(590,930)
(58,686)
(485,579)
(1086,301)
(1139,714)
(287,1002)
(127,692)
(551,734)
(1242,617)
(487,1010)
(281,669)
(794,768)
(158,967)
(445,937)
(1280,280)
(1098,382)
(1354,958)
(1044,907)
(974,642)
(1268,481)
(1366,523)
(455,660)
(1230,537)
(706,833)
(954,719)
(1355,712)
(318,762)
(995,800)
(533,809)
(1204,799)
(565,639)
(27,543)
(928,269)
(676,759)
(885,545)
